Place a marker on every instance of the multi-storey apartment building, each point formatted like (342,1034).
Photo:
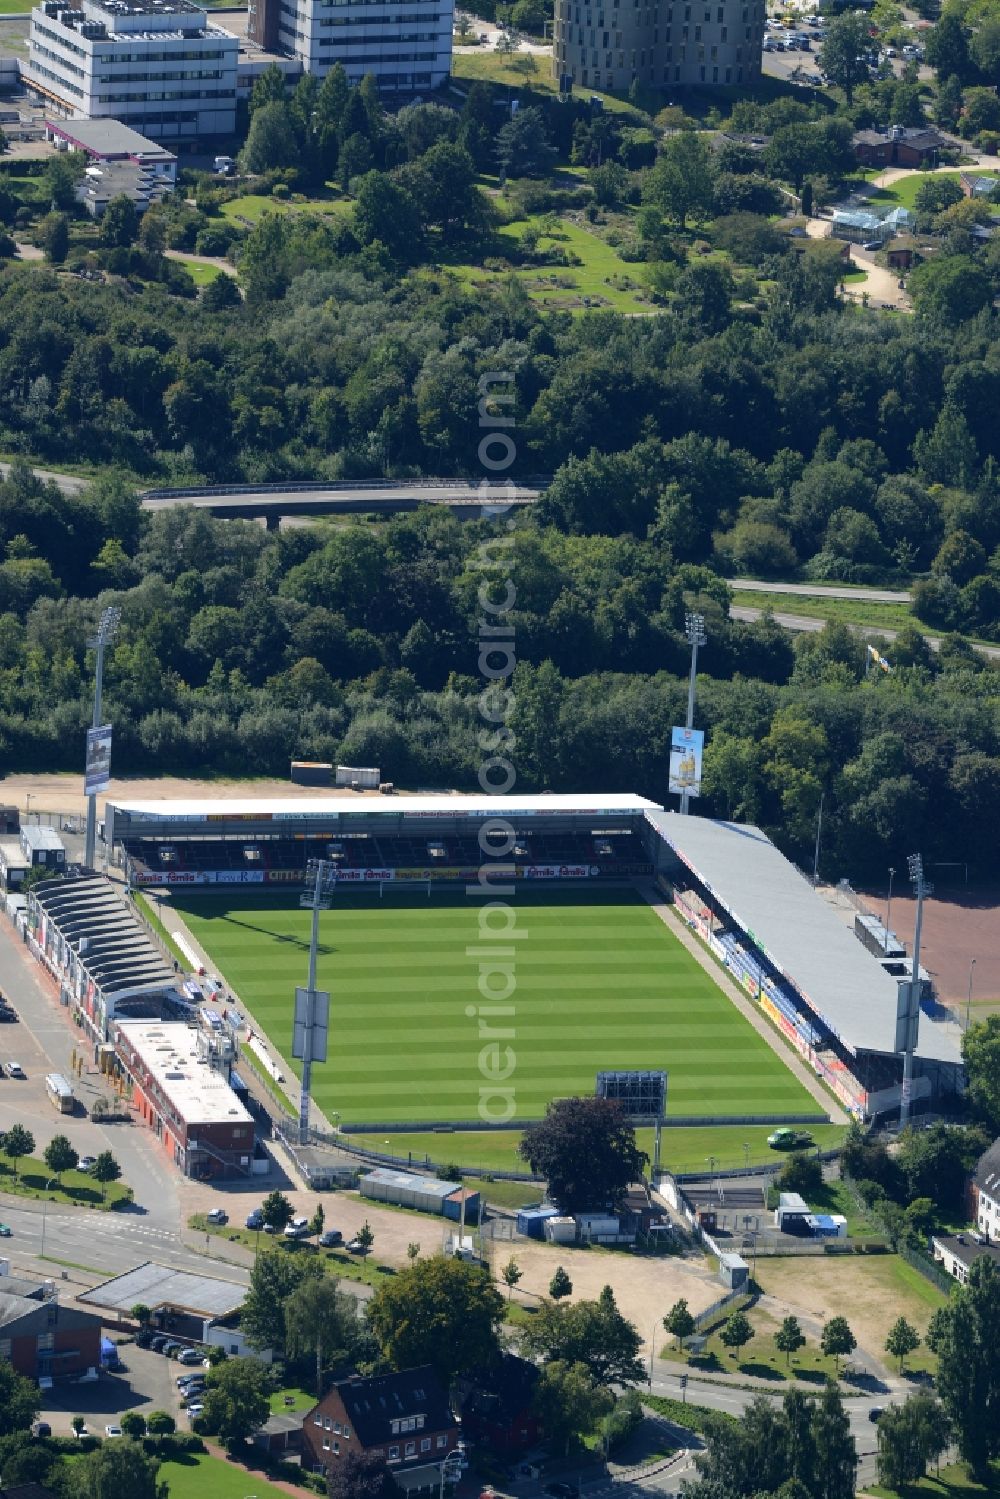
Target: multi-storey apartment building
(611,44)
(158,65)
(405,44)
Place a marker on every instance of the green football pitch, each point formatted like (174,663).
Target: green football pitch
(598,983)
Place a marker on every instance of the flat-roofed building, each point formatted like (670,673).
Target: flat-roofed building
(112,140)
(158,65)
(188,1103)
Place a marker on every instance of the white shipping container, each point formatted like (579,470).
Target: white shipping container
(368,777)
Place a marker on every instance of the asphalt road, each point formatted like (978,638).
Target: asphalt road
(68,483)
(801,622)
(823,591)
(343,499)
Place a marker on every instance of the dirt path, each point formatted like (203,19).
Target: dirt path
(745,1005)
(63,792)
(881,287)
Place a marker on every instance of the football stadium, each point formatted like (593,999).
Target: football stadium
(530,931)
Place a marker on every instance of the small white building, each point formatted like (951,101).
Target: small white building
(105,141)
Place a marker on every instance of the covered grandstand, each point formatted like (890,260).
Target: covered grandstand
(379,839)
(788,948)
(817,983)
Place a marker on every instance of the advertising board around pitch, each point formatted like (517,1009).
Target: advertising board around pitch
(686,750)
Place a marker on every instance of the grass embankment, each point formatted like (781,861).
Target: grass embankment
(864,612)
(515,72)
(699,1418)
(75,1189)
(599,982)
(201,275)
(151,910)
(685,1150)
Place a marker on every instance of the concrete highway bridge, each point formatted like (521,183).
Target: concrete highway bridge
(269,502)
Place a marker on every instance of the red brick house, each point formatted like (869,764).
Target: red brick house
(900,146)
(402,1417)
(44,1340)
(498,1412)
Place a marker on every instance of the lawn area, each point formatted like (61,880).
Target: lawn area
(291,1399)
(251,209)
(599,982)
(14,7)
(685,1150)
(200,1476)
(603,279)
(759,1358)
(904,191)
(76,1189)
(870,1290)
(952,1482)
(201,275)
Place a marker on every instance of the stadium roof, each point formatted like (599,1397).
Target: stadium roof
(800,933)
(156,1286)
(294,809)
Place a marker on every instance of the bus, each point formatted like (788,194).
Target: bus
(60,1093)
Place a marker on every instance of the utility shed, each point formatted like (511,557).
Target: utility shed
(428,1195)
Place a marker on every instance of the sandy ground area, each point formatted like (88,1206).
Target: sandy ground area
(871,1292)
(959,926)
(64,792)
(645,1289)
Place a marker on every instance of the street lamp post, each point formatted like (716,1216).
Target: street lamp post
(652,1346)
(746,1155)
(45,1208)
(888,910)
(106,631)
(968,1002)
(694,629)
(451,1470)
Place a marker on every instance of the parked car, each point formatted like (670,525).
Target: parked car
(113,1430)
(217,1215)
(171,1348)
(86,1163)
(189,1356)
(787,1138)
(4,1230)
(158,1342)
(41,1429)
(329,1237)
(875,1412)
(270,1228)
(255,1220)
(297,1229)
(195,1410)
(81,1431)
(14,1069)
(561,1490)
(7,1015)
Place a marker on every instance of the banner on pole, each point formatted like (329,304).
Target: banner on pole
(97,775)
(686,748)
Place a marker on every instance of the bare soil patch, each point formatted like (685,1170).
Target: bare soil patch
(959,925)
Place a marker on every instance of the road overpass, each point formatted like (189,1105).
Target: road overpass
(269,502)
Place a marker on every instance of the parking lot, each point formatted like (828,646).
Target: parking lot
(147,1382)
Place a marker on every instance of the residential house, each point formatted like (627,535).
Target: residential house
(402,1417)
(44,1340)
(900,146)
(974,186)
(956,1252)
(498,1412)
(986,1193)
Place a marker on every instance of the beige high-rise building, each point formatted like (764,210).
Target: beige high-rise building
(611,44)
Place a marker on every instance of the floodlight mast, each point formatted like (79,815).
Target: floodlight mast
(323,874)
(921,888)
(694,629)
(106,630)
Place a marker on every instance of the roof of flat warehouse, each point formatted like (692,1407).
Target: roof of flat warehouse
(803,937)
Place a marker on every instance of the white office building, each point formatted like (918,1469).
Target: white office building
(158,65)
(405,44)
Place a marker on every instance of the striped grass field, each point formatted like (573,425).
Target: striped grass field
(599,983)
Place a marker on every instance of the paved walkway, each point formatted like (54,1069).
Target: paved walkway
(744,1004)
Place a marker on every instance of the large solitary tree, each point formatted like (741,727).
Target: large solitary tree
(438,1311)
(592,1333)
(585,1149)
(842,55)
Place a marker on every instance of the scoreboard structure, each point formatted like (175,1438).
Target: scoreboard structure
(643,1099)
